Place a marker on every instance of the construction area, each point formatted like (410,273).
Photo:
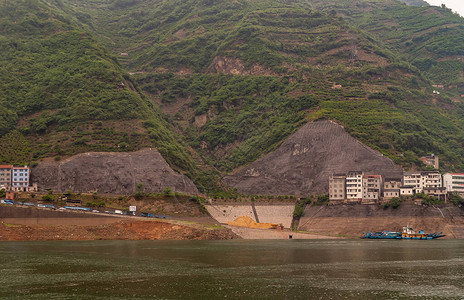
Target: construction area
(259,213)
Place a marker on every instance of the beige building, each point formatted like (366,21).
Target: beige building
(406,191)
(391,193)
(337,187)
(437,192)
(391,188)
(372,187)
(5,176)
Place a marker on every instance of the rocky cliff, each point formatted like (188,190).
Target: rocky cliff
(303,163)
(115,173)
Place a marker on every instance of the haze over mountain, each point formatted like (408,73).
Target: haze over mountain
(214,85)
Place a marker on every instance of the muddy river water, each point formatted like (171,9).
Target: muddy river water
(238,269)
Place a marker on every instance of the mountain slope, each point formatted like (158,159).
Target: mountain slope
(303,163)
(234,79)
(288,63)
(63,93)
(430,38)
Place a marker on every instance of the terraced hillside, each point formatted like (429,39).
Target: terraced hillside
(430,38)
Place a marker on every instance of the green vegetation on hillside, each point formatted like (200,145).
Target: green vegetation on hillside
(431,38)
(254,111)
(66,94)
(217,84)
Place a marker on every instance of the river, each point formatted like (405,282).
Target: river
(237,269)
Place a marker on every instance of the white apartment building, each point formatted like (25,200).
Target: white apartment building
(420,180)
(20,177)
(413,180)
(354,185)
(454,182)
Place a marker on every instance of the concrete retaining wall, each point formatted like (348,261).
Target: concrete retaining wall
(266,213)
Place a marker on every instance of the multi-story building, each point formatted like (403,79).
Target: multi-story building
(391,188)
(421,180)
(438,192)
(354,186)
(431,160)
(20,177)
(337,187)
(372,187)
(5,176)
(412,179)
(454,182)
(431,180)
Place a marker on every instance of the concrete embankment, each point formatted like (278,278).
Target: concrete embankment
(263,213)
(353,220)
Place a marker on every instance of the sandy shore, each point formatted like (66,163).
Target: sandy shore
(272,234)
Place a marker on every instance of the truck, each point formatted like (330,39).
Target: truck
(149,215)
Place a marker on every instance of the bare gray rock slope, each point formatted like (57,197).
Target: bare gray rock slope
(303,163)
(115,173)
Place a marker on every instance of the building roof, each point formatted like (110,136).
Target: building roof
(412,173)
(372,176)
(339,175)
(6,166)
(457,174)
(430,172)
(392,179)
(20,168)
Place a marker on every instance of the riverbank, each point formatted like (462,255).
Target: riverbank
(118,230)
(32,224)
(352,220)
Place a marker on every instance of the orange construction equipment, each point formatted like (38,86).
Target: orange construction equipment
(245,221)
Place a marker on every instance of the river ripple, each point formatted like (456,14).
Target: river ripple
(241,269)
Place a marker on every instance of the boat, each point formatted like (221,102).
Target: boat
(407,234)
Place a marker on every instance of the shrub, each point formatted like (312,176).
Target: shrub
(456,199)
(100,203)
(299,210)
(167,192)
(393,203)
(428,200)
(48,197)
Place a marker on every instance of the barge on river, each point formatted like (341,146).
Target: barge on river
(407,234)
